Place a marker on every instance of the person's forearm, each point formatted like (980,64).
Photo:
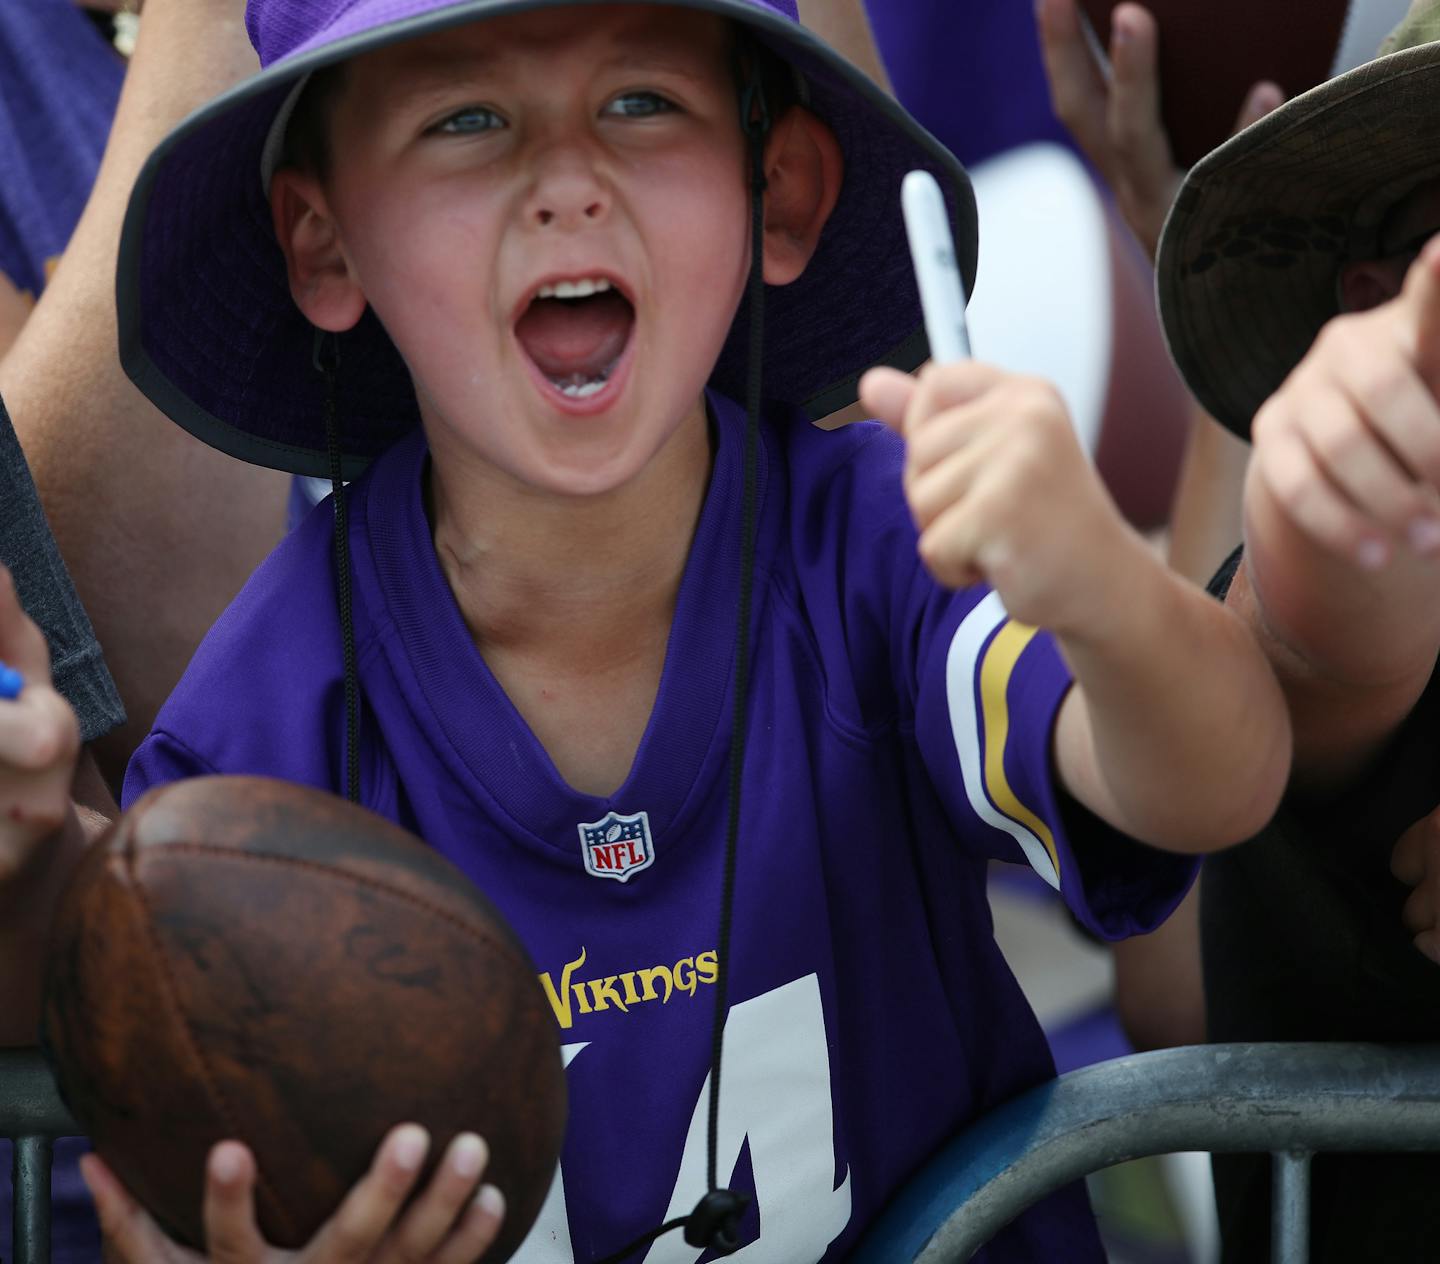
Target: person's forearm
(158,530)
(845,26)
(1176,732)
(27,905)
(1351,666)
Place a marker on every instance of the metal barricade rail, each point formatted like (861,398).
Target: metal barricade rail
(1292,1100)
(32,1116)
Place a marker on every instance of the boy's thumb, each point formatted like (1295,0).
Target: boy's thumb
(886,395)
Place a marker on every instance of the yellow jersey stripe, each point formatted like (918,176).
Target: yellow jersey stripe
(995,672)
(963,665)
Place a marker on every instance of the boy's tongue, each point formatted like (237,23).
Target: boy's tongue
(581,337)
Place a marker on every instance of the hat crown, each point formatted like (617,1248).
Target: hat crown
(279,28)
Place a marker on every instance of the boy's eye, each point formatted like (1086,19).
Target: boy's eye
(473,118)
(639,105)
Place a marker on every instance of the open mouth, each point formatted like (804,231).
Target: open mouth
(575,332)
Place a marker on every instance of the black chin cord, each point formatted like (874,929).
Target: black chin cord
(714,1224)
(329,365)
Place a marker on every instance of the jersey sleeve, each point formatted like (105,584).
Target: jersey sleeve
(160,758)
(975,693)
(987,693)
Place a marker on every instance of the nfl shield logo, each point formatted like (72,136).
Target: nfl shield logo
(617,847)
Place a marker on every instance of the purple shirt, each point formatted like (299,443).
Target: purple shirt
(898,738)
(970,71)
(59,82)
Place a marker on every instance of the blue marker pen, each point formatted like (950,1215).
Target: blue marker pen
(11,682)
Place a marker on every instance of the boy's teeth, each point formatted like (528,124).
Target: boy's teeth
(574,289)
(584,392)
(579,387)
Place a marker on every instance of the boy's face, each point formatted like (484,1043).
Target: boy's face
(480,174)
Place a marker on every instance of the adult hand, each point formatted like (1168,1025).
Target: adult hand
(39,743)
(451,1222)
(1415,860)
(1115,119)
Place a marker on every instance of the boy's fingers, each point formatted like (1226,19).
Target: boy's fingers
(1078,91)
(1263,98)
(477,1230)
(131,1236)
(369,1209)
(886,394)
(430,1218)
(950,546)
(941,387)
(231,1234)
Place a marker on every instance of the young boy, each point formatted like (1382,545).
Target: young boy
(728,714)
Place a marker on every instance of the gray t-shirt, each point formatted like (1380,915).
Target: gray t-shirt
(28,549)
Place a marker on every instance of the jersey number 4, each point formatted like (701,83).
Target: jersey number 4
(775,1094)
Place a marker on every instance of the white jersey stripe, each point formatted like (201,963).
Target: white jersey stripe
(962,667)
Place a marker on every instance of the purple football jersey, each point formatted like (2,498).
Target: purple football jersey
(898,739)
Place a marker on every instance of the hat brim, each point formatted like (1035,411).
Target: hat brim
(209,332)
(1248,266)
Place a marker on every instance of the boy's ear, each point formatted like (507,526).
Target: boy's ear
(803,170)
(321,282)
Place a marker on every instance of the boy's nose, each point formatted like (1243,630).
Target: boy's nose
(568,191)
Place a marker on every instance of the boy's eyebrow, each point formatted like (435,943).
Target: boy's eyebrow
(434,71)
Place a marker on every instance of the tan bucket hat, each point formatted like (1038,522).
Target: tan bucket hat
(1250,255)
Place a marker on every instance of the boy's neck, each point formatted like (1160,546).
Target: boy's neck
(583,579)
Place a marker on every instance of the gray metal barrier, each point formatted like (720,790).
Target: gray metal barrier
(1291,1100)
(32,1117)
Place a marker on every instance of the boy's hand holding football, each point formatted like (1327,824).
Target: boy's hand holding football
(450,1221)
(1175,708)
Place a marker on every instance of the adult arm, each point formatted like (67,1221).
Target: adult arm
(159,531)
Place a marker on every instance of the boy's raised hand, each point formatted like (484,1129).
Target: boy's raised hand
(453,1221)
(1348,450)
(1001,490)
(39,743)
(1116,121)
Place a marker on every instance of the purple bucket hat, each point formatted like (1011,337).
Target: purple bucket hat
(209,332)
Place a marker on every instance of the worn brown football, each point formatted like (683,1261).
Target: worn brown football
(1212,53)
(245,958)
